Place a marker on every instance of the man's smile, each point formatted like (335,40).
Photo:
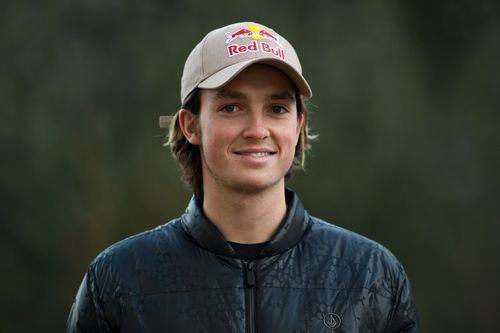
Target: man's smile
(255,152)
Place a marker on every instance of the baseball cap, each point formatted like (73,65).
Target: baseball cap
(223,53)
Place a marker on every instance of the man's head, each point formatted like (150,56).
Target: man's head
(253,76)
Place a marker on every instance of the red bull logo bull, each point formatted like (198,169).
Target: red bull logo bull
(240,33)
(268,35)
(260,37)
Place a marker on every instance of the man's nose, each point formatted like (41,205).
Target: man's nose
(256,126)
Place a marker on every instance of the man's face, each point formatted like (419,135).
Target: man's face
(248,130)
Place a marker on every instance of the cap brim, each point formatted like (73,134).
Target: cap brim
(226,74)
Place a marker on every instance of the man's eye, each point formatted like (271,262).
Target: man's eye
(230,108)
(278,109)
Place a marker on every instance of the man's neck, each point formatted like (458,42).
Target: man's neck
(243,217)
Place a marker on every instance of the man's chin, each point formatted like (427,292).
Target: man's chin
(255,187)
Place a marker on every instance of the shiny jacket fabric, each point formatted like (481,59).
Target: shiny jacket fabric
(184,277)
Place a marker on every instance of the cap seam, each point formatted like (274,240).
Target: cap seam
(202,55)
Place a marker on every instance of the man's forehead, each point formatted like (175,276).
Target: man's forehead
(258,80)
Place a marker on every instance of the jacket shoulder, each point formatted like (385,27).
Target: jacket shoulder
(121,263)
(163,236)
(350,247)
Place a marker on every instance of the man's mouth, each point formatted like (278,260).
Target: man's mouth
(255,152)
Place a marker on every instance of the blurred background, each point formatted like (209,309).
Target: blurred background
(406,103)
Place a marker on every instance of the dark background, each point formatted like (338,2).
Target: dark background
(406,103)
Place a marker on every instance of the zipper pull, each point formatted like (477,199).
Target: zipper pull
(250,273)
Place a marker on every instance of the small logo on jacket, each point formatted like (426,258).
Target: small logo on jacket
(332,321)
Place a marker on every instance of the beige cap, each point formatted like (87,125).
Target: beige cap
(225,52)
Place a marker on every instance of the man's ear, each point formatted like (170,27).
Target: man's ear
(300,122)
(189,127)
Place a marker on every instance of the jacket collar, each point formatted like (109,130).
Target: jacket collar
(204,232)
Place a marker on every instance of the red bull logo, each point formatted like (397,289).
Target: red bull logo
(260,37)
(240,33)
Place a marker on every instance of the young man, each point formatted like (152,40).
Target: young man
(245,256)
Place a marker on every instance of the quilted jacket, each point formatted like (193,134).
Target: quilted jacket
(184,277)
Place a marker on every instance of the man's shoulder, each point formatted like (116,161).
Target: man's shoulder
(145,262)
(340,242)
(143,246)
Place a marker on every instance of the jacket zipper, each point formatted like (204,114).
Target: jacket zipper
(250,296)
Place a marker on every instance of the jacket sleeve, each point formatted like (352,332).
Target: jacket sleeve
(87,313)
(404,313)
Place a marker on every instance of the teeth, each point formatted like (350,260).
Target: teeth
(258,154)
(261,154)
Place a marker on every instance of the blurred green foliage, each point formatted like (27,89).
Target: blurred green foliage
(406,102)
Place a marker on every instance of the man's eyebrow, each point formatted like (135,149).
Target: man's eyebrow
(286,95)
(231,94)
(228,94)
